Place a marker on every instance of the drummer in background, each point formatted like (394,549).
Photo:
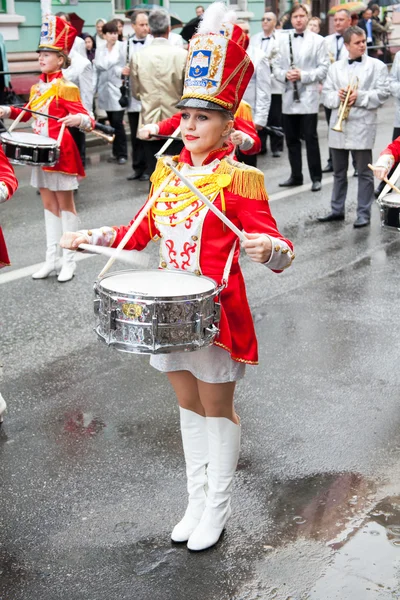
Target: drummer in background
(55,96)
(395,91)
(193,239)
(80,72)
(8,186)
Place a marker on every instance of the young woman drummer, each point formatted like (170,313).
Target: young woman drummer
(57,97)
(193,239)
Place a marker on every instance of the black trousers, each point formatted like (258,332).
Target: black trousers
(80,141)
(138,155)
(120,147)
(274,120)
(294,127)
(151,148)
(247,159)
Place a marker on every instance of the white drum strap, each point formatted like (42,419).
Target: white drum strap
(228,265)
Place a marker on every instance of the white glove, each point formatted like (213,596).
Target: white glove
(147,131)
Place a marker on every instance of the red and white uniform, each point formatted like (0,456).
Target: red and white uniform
(195,240)
(8,185)
(58,98)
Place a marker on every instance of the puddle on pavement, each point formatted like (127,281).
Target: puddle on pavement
(340,510)
(318,507)
(367,564)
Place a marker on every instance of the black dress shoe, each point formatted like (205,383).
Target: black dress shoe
(355,174)
(291,182)
(134,176)
(328,169)
(358,223)
(276,154)
(331,217)
(316,186)
(144,177)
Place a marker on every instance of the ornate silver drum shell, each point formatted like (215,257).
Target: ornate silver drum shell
(143,324)
(389,207)
(30,149)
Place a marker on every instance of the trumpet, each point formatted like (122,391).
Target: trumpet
(104,136)
(344,108)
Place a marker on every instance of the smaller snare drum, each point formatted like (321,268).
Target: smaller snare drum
(30,149)
(156,312)
(389,207)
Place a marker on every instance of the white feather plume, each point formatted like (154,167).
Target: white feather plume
(213,17)
(230,17)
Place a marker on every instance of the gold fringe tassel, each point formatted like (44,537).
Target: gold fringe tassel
(246,181)
(244,111)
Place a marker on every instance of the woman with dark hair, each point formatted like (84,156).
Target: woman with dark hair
(120,25)
(110,65)
(90,44)
(55,96)
(193,239)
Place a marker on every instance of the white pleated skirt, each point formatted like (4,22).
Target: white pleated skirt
(211,364)
(56,182)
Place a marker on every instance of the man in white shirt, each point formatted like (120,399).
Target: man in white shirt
(267,41)
(337,50)
(140,39)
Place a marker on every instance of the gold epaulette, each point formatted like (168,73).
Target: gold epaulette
(244,111)
(246,181)
(68,91)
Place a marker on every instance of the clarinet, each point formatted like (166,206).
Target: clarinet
(296,95)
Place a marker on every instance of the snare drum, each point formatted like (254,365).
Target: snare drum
(30,149)
(156,312)
(389,207)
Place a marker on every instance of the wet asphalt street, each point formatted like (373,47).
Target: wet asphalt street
(91,466)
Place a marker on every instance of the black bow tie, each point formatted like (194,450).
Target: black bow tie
(338,36)
(352,60)
(138,41)
(299,35)
(266,38)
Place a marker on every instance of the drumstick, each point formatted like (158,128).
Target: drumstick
(168,143)
(164,137)
(136,224)
(60,135)
(131,257)
(17,120)
(210,205)
(387,181)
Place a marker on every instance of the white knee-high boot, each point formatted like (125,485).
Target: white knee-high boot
(70,222)
(224,448)
(3,407)
(53,236)
(195,447)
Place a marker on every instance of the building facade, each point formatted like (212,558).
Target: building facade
(20,19)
